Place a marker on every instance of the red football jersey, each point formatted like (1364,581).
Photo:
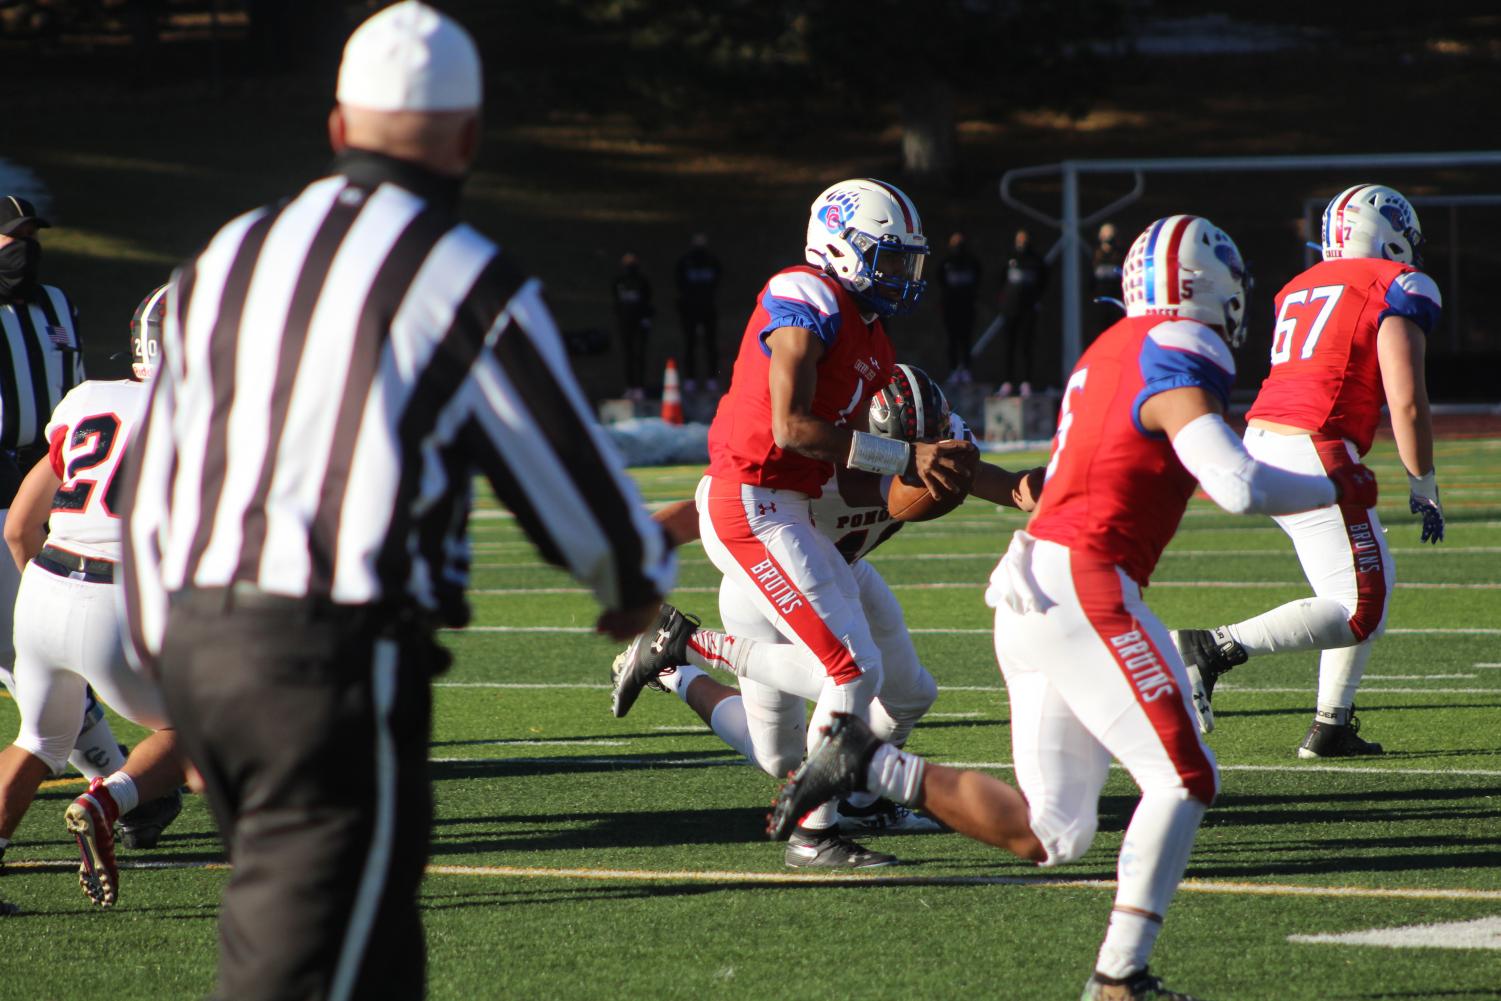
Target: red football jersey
(1325,373)
(856,364)
(1115,490)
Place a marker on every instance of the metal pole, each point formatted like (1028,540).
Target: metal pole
(1072,286)
(1453,303)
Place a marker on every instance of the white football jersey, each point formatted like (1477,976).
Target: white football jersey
(86,438)
(856,531)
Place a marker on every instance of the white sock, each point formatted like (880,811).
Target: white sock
(96,752)
(1128,944)
(680,679)
(4,844)
(1305,624)
(1152,859)
(728,722)
(1340,672)
(122,789)
(860,800)
(895,774)
(782,666)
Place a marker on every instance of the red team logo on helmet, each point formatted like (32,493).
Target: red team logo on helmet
(841,208)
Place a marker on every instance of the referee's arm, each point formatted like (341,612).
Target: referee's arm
(532,435)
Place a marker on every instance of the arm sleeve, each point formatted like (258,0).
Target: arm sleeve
(1414,296)
(800,299)
(533,437)
(1238,483)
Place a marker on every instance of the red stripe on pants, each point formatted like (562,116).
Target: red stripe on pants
(732,527)
(1366,554)
(1146,669)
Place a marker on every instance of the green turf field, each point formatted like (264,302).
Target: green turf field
(580,856)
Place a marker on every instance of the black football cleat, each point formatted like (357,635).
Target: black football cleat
(1207,654)
(1139,986)
(143,826)
(1330,740)
(831,850)
(661,648)
(836,767)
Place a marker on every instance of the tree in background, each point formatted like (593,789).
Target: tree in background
(895,62)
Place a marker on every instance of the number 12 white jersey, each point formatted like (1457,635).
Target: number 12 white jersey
(87,437)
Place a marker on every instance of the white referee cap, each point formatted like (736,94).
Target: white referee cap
(410,57)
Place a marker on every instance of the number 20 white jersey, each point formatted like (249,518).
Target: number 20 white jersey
(86,437)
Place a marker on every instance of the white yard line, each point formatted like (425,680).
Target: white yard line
(730,878)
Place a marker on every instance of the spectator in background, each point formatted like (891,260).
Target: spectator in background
(1021,298)
(959,283)
(633,313)
(1106,282)
(698,274)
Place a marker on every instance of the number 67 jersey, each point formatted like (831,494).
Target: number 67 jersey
(86,440)
(1325,374)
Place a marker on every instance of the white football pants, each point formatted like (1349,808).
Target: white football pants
(67,637)
(1091,673)
(1344,555)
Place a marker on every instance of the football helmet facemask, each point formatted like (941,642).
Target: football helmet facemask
(911,408)
(1186,266)
(1372,220)
(868,235)
(146,334)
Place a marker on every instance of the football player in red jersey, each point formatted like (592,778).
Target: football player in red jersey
(765,718)
(1090,672)
(814,352)
(1349,337)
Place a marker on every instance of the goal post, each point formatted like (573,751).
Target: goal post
(1070,219)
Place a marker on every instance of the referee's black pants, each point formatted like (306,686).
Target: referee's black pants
(310,725)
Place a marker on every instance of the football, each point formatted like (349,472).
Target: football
(908,503)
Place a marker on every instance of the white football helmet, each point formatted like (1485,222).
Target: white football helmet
(1372,220)
(1186,266)
(868,235)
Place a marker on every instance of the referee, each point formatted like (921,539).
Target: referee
(336,367)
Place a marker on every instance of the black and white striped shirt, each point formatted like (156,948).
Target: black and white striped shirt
(41,360)
(335,370)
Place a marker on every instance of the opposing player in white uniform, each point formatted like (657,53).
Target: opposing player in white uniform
(766,718)
(1350,337)
(64,527)
(1090,672)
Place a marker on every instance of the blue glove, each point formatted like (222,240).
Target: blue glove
(1423,500)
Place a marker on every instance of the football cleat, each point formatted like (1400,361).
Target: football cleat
(1329,740)
(885,817)
(91,820)
(143,826)
(1207,654)
(1140,986)
(661,648)
(836,766)
(830,850)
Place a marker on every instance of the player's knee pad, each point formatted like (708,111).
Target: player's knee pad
(52,753)
(894,714)
(1065,838)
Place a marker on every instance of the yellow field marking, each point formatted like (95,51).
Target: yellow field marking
(725,877)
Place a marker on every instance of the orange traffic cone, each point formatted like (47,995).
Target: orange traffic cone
(672,397)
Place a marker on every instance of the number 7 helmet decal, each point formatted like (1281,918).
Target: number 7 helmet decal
(1185,266)
(1372,220)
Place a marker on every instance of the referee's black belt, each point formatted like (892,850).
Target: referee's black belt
(71,565)
(247,597)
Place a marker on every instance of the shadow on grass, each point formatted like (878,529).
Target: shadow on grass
(592,831)
(531,767)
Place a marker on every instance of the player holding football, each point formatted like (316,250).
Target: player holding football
(64,532)
(1350,335)
(765,719)
(1090,672)
(814,352)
